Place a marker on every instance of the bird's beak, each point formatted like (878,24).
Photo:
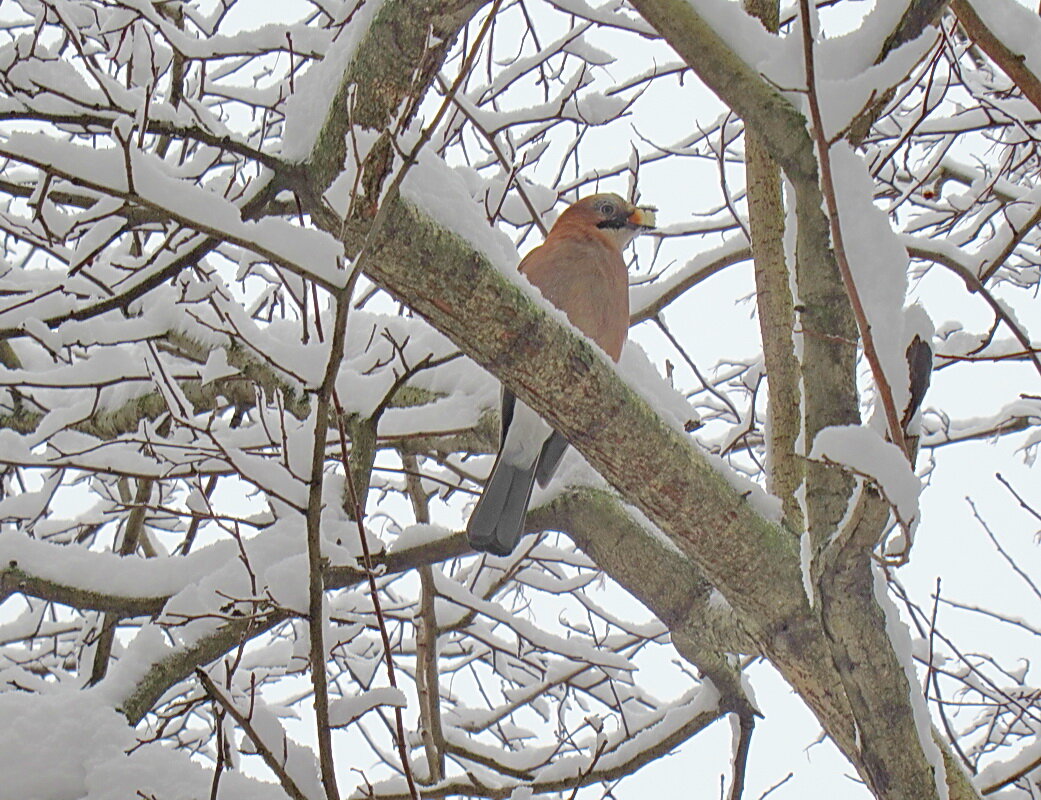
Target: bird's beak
(642,218)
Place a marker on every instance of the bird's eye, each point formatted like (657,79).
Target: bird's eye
(608,209)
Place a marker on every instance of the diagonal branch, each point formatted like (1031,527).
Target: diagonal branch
(752,561)
(1013,64)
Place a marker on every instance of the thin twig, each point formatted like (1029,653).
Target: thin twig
(975,285)
(588,770)
(722,166)
(746,725)
(1022,503)
(315,563)
(243,721)
(427,682)
(133,534)
(358,513)
(930,670)
(885,391)
(697,372)
(777,785)
(489,137)
(1015,776)
(222,746)
(1002,552)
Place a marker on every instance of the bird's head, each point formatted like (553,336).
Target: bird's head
(618,218)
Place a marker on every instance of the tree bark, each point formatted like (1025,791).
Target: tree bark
(773,293)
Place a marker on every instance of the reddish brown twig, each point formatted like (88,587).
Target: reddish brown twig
(885,391)
(358,513)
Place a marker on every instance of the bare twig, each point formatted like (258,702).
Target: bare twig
(885,391)
(427,676)
(358,514)
(1019,499)
(1022,573)
(263,748)
(746,725)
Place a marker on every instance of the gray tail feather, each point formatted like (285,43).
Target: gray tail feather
(498,520)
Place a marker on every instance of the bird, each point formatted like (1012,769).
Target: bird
(580,269)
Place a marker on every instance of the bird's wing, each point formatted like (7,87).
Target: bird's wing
(549,459)
(507,401)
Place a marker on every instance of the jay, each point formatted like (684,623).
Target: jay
(580,270)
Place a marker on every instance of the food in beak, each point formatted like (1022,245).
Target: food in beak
(642,217)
